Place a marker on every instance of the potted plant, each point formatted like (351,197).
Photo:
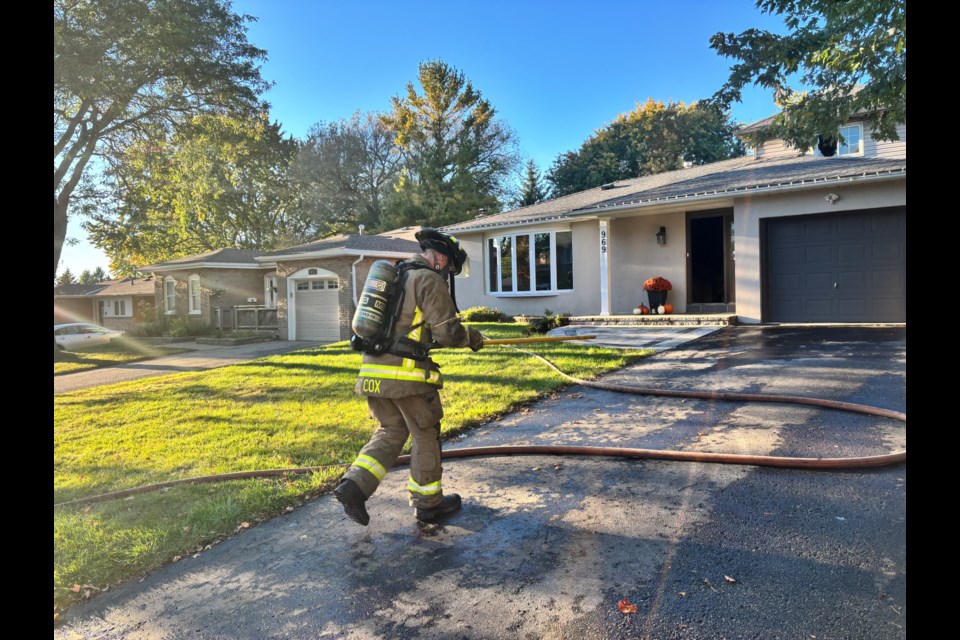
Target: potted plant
(656,288)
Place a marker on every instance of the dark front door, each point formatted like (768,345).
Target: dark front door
(710,261)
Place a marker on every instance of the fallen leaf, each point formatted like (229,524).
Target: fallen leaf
(682,593)
(186,529)
(176,558)
(244,525)
(707,582)
(288,509)
(626,607)
(729,579)
(75,588)
(535,469)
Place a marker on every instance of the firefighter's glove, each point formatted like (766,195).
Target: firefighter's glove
(476,340)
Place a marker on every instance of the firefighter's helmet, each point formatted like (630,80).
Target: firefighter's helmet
(446,244)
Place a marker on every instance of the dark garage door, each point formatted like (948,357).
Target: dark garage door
(845,267)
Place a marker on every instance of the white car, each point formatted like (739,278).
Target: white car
(79,335)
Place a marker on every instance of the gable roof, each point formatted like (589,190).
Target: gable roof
(387,244)
(218,258)
(76,290)
(126,287)
(717,180)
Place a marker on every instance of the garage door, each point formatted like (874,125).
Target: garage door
(317,310)
(848,267)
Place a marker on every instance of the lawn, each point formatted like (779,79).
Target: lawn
(117,352)
(284,411)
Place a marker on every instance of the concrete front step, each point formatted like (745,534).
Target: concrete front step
(671,319)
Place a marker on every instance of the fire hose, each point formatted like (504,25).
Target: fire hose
(616,452)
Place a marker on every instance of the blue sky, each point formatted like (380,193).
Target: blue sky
(554,71)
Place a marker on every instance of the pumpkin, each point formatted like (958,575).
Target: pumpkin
(668,308)
(644,310)
(637,311)
(660,309)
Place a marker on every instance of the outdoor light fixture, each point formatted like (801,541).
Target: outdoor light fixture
(662,236)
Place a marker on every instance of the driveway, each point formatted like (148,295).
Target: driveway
(201,356)
(546,547)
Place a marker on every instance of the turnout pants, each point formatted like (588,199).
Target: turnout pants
(417,417)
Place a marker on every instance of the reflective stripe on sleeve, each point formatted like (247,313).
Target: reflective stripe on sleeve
(388,372)
(424,489)
(371,465)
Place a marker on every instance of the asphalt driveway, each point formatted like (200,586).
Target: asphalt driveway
(545,547)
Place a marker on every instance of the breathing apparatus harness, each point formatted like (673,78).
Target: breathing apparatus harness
(381,302)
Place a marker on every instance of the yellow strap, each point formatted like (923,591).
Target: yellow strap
(371,465)
(424,489)
(410,363)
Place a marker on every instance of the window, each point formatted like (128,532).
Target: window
(530,263)
(333,284)
(316,285)
(194,294)
(303,285)
(852,135)
(169,296)
(119,307)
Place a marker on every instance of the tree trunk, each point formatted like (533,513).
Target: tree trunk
(59,229)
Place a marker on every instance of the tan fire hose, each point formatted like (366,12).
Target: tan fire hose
(617,452)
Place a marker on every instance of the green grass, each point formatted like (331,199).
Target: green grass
(117,352)
(284,411)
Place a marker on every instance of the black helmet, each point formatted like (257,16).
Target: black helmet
(446,244)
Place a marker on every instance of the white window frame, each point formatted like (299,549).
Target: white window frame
(194,306)
(169,301)
(855,151)
(495,256)
(117,307)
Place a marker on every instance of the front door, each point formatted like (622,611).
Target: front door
(710,261)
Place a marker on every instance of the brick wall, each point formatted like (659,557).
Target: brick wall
(343,267)
(67,310)
(224,288)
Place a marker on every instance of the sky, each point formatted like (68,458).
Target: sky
(555,71)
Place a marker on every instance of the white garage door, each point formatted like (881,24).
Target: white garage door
(317,310)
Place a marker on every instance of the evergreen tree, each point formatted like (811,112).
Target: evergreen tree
(532,189)
(65,277)
(457,154)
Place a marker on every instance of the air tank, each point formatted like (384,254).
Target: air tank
(371,315)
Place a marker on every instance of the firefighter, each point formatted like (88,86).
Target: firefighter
(402,392)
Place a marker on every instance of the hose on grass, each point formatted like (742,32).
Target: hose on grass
(616,452)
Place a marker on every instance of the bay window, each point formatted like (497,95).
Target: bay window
(530,263)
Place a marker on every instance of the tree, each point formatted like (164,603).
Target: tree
(126,68)
(457,154)
(346,170)
(216,182)
(65,277)
(652,138)
(99,275)
(854,54)
(86,277)
(532,189)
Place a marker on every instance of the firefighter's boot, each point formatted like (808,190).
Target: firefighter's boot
(353,500)
(449,504)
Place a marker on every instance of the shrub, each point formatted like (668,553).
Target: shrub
(549,320)
(482,314)
(182,328)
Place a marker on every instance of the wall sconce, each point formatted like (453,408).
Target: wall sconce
(662,236)
(831,198)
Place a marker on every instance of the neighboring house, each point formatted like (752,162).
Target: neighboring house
(123,304)
(306,292)
(72,303)
(777,236)
(225,288)
(115,304)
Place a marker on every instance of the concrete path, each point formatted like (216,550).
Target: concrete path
(201,356)
(546,547)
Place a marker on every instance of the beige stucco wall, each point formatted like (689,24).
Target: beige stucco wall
(636,256)
(748,212)
(584,299)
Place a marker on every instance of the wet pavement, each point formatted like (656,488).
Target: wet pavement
(545,547)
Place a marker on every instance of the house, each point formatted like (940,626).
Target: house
(778,236)
(115,304)
(305,292)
